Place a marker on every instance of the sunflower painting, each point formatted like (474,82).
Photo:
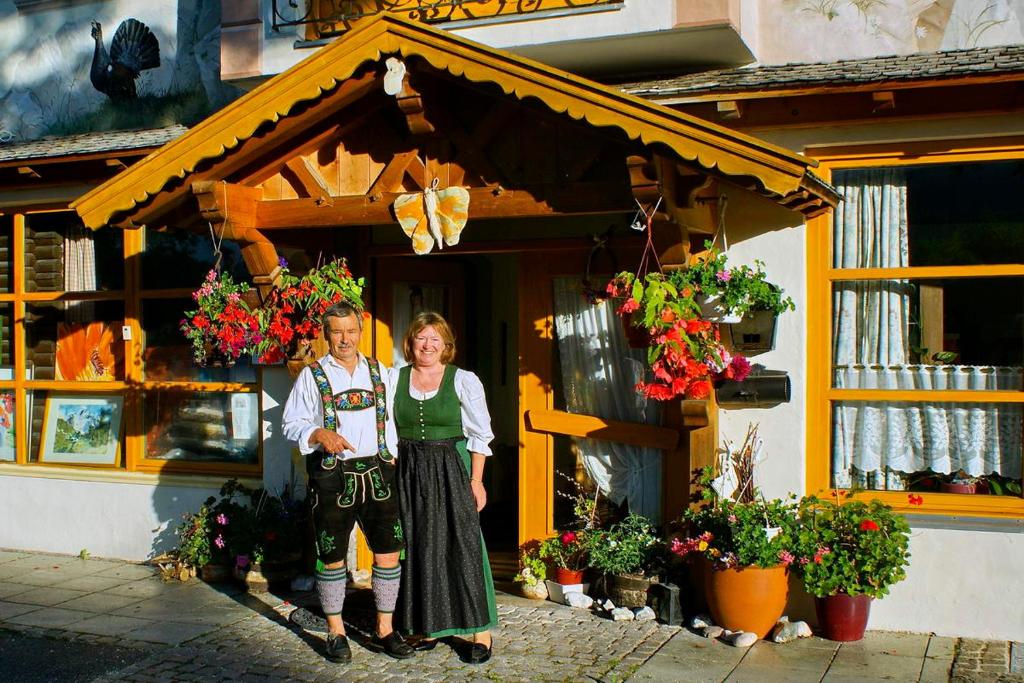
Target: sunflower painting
(88,352)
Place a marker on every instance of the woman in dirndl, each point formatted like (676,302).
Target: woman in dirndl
(444,430)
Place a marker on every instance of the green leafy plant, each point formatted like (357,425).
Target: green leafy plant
(195,548)
(734,525)
(851,547)
(532,567)
(739,289)
(567,550)
(628,547)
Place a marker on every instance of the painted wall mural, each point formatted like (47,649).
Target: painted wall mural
(68,66)
(828,30)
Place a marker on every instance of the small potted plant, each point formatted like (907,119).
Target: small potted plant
(567,553)
(627,554)
(532,571)
(960,482)
(850,552)
(743,541)
(684,351)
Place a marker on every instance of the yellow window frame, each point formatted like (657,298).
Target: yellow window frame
(132,387)
(820,278)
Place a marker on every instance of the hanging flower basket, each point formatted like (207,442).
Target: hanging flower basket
(223,326)
(755,333)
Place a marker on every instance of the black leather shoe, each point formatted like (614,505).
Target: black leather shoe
(392,645)
(479,653)
(337,649)
(425,644)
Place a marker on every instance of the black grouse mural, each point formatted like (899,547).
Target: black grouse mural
(133,50)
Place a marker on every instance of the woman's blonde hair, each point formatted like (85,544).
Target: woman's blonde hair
(423,321)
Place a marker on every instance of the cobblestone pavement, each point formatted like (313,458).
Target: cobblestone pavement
(66,619)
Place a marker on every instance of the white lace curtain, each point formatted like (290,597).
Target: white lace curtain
(875,441)
(599,371)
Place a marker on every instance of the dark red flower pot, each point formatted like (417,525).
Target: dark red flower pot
(843,617)
(969,488)
(568,577)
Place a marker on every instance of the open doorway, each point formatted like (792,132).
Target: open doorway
(478,295)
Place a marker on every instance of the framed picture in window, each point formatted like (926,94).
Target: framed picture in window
(7,424)
(82,429)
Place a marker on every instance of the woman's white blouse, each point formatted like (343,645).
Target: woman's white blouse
(476,420)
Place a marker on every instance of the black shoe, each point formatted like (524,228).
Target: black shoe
(393,645)
(337,649)
(479,653)
(425,644)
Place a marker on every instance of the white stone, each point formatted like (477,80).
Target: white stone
(713,631)
(700,621)
(644,614)
(622,614)
(579,600)
(741,639)
(784,632)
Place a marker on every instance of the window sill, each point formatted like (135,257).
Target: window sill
(109,476)
(946,506)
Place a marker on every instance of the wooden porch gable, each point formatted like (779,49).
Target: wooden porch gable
(282,128)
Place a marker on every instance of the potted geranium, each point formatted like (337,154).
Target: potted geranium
(850,552)
(289,319)
(685,354)
(532,571)
(627,554)
(744,543)
(223,326)
(568,554)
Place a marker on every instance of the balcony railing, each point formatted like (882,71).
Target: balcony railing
(331,17)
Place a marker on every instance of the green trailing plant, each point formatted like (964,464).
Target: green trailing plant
(532,567)
(851,547)
(739,289)
(567,550)
(628,547)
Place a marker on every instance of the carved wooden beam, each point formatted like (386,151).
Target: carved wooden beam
(643,178)
(229,205)
(390,178)
(410,101)
(306,180)
(686,191)
(486,202)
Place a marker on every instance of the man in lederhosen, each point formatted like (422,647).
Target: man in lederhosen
(340,414)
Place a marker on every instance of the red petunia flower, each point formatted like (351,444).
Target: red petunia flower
(868,525)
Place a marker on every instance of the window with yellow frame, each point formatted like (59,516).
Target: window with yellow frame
(916,297)
(95,315)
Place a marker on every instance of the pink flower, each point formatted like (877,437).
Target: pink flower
(568,537)
(732,519)
(219,541)
(222,519)
(786,557)
(629,306)
(724,275)
(804,561)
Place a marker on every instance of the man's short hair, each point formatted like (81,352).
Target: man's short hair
(342,309)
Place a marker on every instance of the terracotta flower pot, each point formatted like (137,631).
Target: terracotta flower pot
(746,598)
(843,617)
(969,488)
(568,577)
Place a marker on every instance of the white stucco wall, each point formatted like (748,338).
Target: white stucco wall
(115,519)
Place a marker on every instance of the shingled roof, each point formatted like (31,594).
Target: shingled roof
(89,143)
(951,65)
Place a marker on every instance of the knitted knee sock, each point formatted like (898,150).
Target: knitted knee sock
(385,587)
(330,586)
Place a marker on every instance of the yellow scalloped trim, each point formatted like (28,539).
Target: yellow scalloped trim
(710,146)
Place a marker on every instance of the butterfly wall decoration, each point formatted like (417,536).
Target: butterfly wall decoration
(433,216)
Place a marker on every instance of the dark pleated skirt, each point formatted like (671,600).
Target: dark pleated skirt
(447,587)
